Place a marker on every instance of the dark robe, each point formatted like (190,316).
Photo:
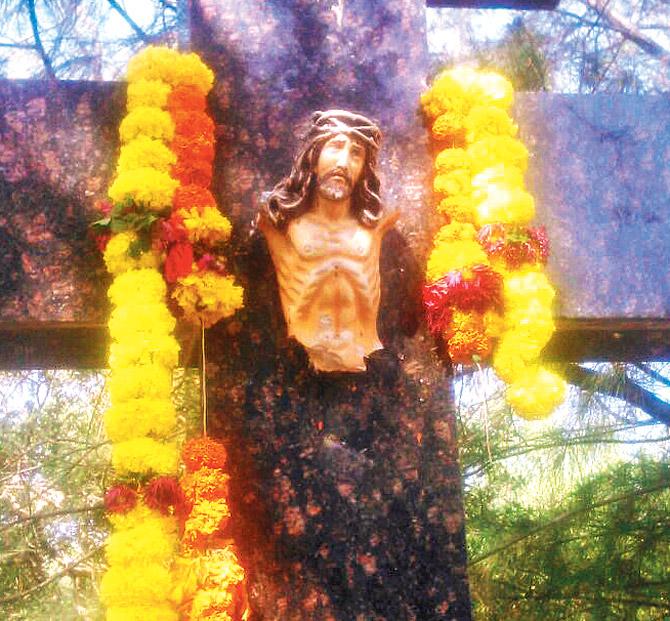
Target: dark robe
(346,500)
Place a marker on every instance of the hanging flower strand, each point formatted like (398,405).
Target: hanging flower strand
(161,236)
(486,293)
(143,353)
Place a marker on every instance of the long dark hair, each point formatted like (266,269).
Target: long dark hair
(292,196)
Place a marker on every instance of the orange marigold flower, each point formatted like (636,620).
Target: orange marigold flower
(193,171)
(468,346)
(186,98)
(192,195)
(198,148)
(207,519)
(205,484)
(193,125)
(204,452)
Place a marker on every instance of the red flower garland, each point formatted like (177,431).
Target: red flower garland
(480,291)
(120,499)
(515,245)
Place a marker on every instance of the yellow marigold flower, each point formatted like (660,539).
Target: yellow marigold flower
(523,311)
(522,286)
(223,566)
(138,285)
(526,343)
(144,456)
(145,152)
(140,382)
(498,196)
(142,613)
(148,121)
(148,348)
(505,204)
(447,125)
(191,71)
(485,121)
(455,231)
(501,174)
(212,604)
(148,187)
(137,418)
(151,63)
(493,89)
(148,542)
(208,297)
(507,362)
(142,514)
(452,159)
(206,518)
(443,95)
(449,92)
(206,225)
(454,182)
(147,93)
(496,150)
(465,79)
(130,320)
(493,324)
(145,584)
(454,256)
(167,65)
(536,393)
(458,207)
(119,261)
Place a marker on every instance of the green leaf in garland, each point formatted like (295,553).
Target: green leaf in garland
(118,225)
(137,247)
(103,222)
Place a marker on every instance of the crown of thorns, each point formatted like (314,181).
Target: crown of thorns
(332,122)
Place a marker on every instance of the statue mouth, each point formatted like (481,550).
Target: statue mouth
(337,174)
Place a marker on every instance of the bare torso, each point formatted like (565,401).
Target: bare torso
(328,275)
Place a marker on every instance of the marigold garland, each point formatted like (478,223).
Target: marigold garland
(484,275)
(210,581)
(162,215)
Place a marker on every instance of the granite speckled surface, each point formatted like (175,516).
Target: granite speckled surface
(598,170)
(57,152)
(346,486)
(600,175)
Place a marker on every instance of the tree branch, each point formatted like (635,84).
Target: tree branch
(38,41)
(659,377)
(635,493)
(19,46)
(57,576)
(129,20)
(626,389)
(49,514)
(628,30)
(543,447)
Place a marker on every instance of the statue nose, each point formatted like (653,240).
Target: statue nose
(343,158)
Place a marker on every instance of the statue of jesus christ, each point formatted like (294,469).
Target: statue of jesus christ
(324,226)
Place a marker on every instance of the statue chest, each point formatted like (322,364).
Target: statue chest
(314,243)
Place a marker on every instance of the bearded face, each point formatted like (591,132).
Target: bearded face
(339,167)
(335,185)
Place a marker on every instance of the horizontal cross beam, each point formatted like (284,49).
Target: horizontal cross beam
(79,345)
(519,5)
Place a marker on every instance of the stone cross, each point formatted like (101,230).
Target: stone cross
(275,63)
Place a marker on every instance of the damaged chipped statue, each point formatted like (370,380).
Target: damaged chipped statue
(324,226)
